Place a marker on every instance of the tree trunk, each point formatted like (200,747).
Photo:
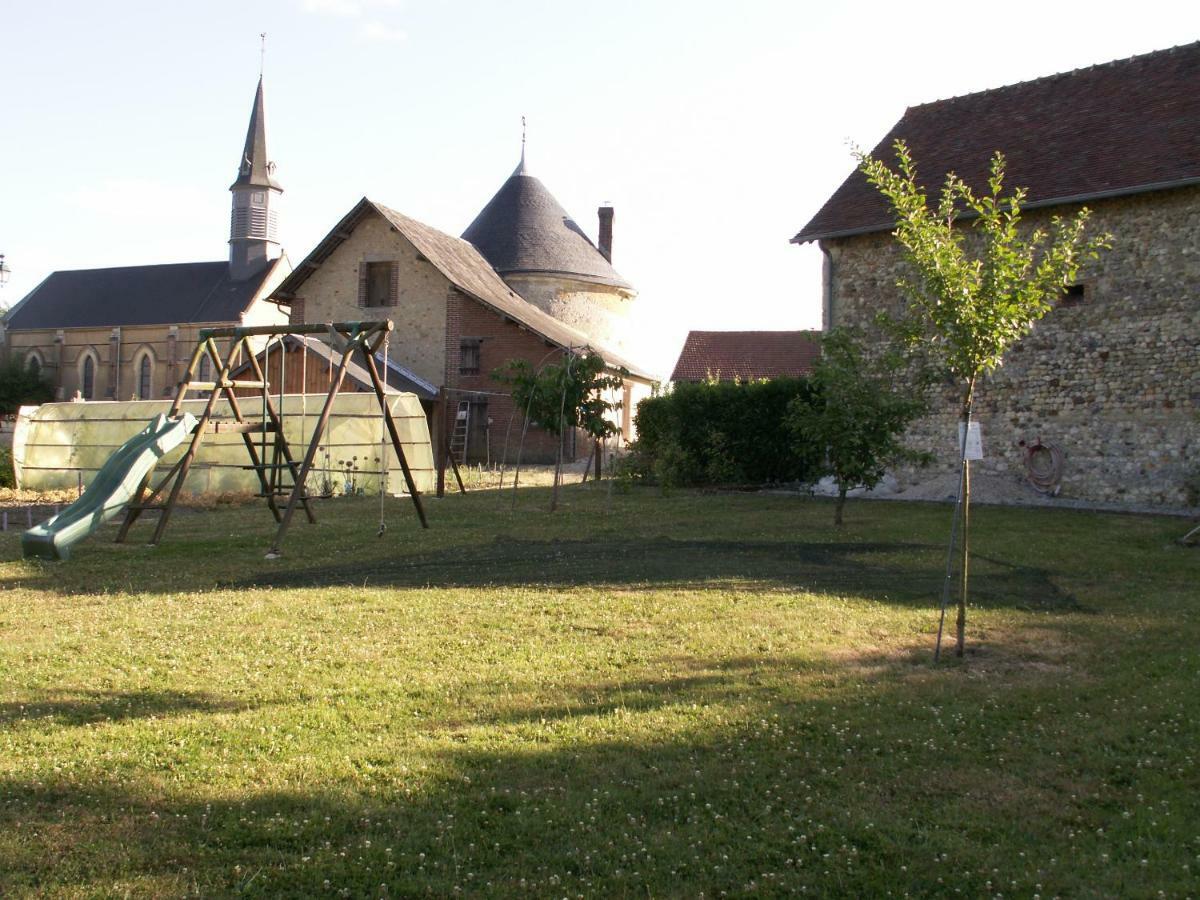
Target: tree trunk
(966,559)
(557,472)
(964,575)
(841,503)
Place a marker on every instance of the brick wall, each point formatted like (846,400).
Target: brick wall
(499,342)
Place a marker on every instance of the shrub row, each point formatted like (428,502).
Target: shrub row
(722,433)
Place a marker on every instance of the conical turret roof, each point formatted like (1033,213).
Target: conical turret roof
(524,230)
(254,170)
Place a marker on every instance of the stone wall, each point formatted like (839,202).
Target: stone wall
(1113,380)
(330,294)
(599,311)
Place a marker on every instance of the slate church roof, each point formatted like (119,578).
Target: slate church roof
(1123,127)
(524,230)
(746,355)
(170,294)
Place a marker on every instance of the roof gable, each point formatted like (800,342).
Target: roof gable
(465,268)
(169,294)
(1123,127)
(746,355)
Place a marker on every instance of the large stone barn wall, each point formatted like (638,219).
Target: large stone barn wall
(1112,379)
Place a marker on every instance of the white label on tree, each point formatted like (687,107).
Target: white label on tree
(974,448)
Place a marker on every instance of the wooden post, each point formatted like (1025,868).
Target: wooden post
(443,447)
(134,509)
(311,453)
(190,455)
(281,443)
(377,383)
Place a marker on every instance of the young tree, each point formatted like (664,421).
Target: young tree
(975,293)
(562,396)
(853,414)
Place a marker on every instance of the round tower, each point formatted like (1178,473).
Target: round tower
(543,255)
(254,222)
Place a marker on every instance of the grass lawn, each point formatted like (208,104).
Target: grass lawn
(637,696)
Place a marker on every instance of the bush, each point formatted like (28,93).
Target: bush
(20,386)
(8,478)
(722,433)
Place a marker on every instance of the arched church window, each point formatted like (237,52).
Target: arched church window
(33,364)
(87,379)
(145,371)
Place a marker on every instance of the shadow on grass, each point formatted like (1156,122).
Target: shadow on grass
(778,790)
(109,706)
(908,573)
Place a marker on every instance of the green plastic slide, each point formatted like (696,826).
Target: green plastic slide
(114,486)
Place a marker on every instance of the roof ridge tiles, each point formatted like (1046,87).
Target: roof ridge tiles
(1067,73)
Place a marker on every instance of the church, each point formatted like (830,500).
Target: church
(126,333)
(523,282)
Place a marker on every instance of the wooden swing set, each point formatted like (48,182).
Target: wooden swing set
(280,475)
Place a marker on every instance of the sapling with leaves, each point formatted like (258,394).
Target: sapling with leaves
(569,394)
(854,414)
(974,292)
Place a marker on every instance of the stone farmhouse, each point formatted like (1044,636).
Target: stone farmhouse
(524,282)
(127,333)
(1111,376)
(746,355)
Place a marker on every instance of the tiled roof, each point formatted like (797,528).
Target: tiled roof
(171,294)
(466,269)
(746,355)
(1122,127)
(524,230)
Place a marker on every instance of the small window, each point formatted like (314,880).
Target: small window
(34,365)
(145,370)
(88,379)
(1073,295)
(468,361)
(379,284)
(258,198)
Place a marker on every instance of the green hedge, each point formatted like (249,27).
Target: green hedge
(7,477)
(722,433)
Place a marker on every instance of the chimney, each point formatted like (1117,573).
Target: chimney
(606,220)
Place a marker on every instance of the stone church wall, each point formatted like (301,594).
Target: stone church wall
(1113,380)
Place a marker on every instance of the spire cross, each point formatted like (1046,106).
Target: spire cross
(262,53)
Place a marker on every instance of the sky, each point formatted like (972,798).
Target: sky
(716,129)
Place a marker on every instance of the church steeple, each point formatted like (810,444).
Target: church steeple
(254,222)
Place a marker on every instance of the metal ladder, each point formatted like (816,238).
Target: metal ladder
(462,425)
